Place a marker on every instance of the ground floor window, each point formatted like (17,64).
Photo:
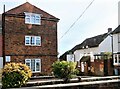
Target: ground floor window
(116,59)
(116,71)
(34,64)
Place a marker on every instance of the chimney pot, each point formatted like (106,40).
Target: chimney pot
(109,30)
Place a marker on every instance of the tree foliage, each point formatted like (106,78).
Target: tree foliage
(65,70)
(15,75)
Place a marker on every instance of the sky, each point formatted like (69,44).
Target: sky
(100,16)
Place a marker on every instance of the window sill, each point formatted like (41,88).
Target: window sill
(116,64)
(32,45)
(32,23)
(36,72)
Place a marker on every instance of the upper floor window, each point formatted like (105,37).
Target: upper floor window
(32,18)
(33,40)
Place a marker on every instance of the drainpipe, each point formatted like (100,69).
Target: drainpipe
(3,35)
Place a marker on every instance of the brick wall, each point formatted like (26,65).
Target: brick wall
(15,32)
(98,67)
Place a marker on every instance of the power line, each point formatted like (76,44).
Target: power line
(77,19)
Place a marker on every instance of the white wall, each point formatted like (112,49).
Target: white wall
(115,43)
(84,52)
(105,46)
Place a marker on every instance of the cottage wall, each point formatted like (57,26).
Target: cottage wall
(105,45)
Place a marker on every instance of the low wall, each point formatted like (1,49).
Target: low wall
(100,84)
(72,86)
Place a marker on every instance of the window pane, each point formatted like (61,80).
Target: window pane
(7,58)
(37,19)
(119,59)
(37,66)
(28,63)
(33,19)
(33,41)
(27,40)
(37,61)
(38,41)
(27,19)
(115,58)
(33,65)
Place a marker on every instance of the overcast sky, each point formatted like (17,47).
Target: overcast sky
(100,16)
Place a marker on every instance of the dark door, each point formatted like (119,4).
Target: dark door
(105,67)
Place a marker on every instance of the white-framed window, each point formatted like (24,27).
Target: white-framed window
(32,18)
(28,62)
(70,58)
(34,64)
(117,59)
(7,58)
(33,40)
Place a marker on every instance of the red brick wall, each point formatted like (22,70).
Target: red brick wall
(15,32)
(98,67)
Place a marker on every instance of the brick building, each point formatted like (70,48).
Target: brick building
(30,37)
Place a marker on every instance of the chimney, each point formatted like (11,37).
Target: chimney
(109,30)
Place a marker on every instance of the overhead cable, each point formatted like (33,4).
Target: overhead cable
(77,19)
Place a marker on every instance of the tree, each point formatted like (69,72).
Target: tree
(15,75)
(65,70)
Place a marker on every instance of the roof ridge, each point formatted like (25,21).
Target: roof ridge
(97,35)
(13,10)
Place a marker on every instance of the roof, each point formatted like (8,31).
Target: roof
(27,7)
(117,30)
(91,42)
(85,59)
(64,56)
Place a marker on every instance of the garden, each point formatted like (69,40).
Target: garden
(17,75)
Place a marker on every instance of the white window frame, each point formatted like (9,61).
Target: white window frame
(33,42)
(28,61)
(29,37)
(70,58)
(7,58)
(118,59)
(36,20)
(36,61)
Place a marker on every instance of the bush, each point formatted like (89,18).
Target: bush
(15,75)
(65,70)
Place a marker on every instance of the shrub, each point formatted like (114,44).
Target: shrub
(15,75)
(65,70)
